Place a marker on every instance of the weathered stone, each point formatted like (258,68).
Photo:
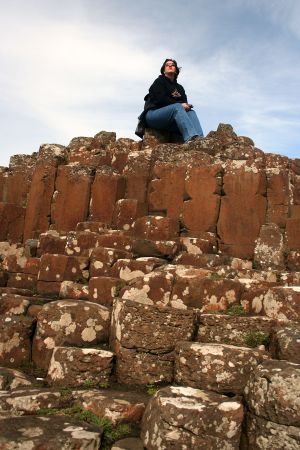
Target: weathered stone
(262,434)
(48,288)
(38,210)
(148,328)
(207,260)
(201,207)
(65,322)
(93,227)
(156,228)
(286,343)
(22,280)
(76,291)
(197,246)
(126,211)
(185,418)
(269,249)
(21,263)
(128,444)
(15,345)
(12,379)
(116,239)
(29,401)
(72,188)
(107,188)
(194,288)
(293,261)
(19,177)
(82,243)
(14,305)
(51,242)
(116,406)
(281,303)
(129,269)
(153,288)
(244,185)
(159,249)
(278,185)
(235,330)
(103,290)
(102,260)
(48,433)
(11,222)
(140,368)
(71,366)
(292,233)
(273,392)
(62,268)
(221,368)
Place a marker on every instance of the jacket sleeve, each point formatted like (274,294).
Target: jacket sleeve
(159,94)
(184,97)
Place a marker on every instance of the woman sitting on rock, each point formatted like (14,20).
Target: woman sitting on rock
(166,106)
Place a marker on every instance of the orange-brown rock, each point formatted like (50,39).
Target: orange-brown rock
(156,228)
(22,280)
(51,242)
(11,222)
(104,290)
(243,207)
(38,210)
(107,188)
(102,260)
(62,267)
(278,180)
(15,338)
(70,322)
(70,203)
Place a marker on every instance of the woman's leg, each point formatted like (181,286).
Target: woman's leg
(163,118)
(195,121)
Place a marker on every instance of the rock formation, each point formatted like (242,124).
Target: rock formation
(150,295)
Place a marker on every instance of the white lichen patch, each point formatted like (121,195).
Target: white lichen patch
(229,406)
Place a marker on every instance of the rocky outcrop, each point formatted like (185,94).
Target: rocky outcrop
(151,289)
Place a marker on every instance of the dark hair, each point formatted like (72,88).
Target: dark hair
(162,69)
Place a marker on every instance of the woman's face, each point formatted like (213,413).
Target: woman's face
(170,68)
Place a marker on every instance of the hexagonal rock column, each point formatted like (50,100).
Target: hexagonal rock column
(272,394)
(65,322)
(245,188)
(187,418)
(71,366)
(144,337)
(72,188)
(48,433)
(269,248)
(234,330)
(220,368)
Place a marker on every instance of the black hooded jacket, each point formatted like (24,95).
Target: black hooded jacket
(164,92)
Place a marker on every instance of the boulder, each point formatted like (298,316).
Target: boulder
(220,368)
(48,433)
(72,323)
(186,418)
(71,366)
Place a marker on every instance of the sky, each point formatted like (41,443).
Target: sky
(75,67)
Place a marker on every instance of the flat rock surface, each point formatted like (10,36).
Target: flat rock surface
(185,418)
(48,433)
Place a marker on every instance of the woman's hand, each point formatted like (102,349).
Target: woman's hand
(186,106)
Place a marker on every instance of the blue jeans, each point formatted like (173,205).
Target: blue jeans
(175,117)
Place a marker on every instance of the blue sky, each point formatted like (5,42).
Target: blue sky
(76,67)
